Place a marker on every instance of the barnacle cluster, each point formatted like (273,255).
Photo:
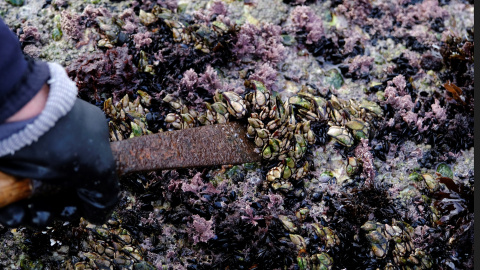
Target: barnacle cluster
(226,104)
(281,130)
(396,238)
(127,118)
(327,237)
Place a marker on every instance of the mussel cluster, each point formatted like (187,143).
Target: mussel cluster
(107,246)
(203,38)
(281,130)
(112,247)
(396,238)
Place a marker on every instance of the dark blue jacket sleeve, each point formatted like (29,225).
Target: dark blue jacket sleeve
(20,80)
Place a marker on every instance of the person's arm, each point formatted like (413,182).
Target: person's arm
(49,135)
(33,108)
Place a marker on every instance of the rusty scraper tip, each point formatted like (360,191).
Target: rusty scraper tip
(222,144)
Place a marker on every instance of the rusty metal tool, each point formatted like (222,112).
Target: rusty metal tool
(222,144)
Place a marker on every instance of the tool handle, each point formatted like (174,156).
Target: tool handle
(13,189)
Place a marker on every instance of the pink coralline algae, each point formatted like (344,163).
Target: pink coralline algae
(303,17)
(128,16)
(70,24)
(265,74)
(93,12)
(250,216)
(209,80)
(351,40)
(356,11)
(170,4)
(129,27)
(363,153)
(439,112)
(422,12)
(32,50)
(275,201)
(217,8)
(398,102)
(142,39)
(397,97)
(200,230)
(198,187)
(413,58)
(262,43)
(361,64)
(159,56)
(400,83)
(30,32)
(148,4)
(189,80)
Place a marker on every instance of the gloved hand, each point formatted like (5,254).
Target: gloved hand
(73,153)
(64,143)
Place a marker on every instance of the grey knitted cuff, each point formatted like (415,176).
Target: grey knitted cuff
(62,96)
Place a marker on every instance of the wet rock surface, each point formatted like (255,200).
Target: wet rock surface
(386,158)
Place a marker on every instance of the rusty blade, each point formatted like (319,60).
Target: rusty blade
(220,144)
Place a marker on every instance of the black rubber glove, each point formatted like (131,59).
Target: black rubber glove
(74,155)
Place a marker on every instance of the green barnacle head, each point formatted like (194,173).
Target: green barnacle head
(322,261)
(415,176)
(274,144)
(287,223)
(262,133)
(327,174)
(302,263)
(341,135)
(267,152)
(334,78)
(259,86)
(235,104)
(136,130)
(163,13)
(430,182)
(219,108)
(57,34)
(287,172)
(219,27)
(145,97)
(206,34)
(218,97)
(369,226)
(290,162)
(288,40)
(255,122)
(444,170)
(353,166)
(359,129)
(299,101)
(372,107)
